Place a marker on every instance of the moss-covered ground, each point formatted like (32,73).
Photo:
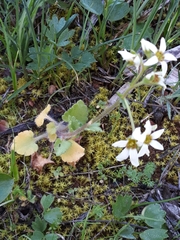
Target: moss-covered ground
(85,193)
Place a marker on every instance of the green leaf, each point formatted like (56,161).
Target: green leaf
(39,224)
(51,236)
(154,234)
(93,6)
(63,39)
(73,123)
(53,216)
(46,56)
(169,110)
(67,24)
(78,59)
(79,110)
(37,235)
(6,185)
(126,232)
(122,206)
(128,39)
(95,127)
(156,215)
(46,201)
(76,52)
(117,11)
(85,61)
(61,147)
(56,23)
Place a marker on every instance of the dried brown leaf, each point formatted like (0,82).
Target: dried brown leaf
(38,162)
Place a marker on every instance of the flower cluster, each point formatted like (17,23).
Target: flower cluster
(139,142)
(154,56)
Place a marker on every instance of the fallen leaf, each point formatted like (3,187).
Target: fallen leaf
(24,143)
(73,154)
(51,131)
(38,162)
(3,125)
(51,89)
(43,115)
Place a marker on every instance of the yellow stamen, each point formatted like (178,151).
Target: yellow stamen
(131,144)
(160,56)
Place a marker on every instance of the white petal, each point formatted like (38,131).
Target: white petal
(120,144)
(161,83)
(151,61)
(141,139)
(143,45)
(150,75)
(136,133)
(144,150)
(137,62)
(127,56)
(134,157)
(162,47)
(157,134)
(153,127)
(146,46)
(148,127)
(123,155)
(155,144)
(164,68)
(169,57)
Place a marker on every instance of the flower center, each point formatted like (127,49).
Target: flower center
(132,144)
(160,56)
(131,62)
(148,139)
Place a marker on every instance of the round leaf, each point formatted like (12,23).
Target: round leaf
(154,234)
(94,6)
(24,143)
(154,215)
(117,11)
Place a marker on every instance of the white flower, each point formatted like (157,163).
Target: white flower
(155,78)
(131,59)
(131,146)
(148,138)
(159,54)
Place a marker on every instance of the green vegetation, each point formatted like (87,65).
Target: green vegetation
(63,128)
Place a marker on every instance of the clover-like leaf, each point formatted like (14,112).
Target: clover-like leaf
(43,115)
(51,131)
(24,143)
(73,153)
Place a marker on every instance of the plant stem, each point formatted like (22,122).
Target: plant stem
(129,113)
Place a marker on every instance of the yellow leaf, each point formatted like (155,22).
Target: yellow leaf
(43,115)
(73,154)
(24,143)
(51,131)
